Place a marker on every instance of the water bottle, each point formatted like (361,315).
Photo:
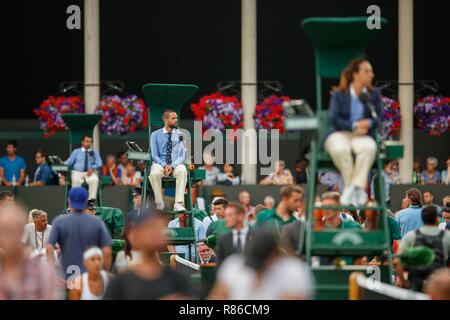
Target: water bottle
(27,181)
(14,181)
(414,180)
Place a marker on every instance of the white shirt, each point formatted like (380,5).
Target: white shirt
(287,276)
(207,221)
(243,235)
(137,175)
(33,238)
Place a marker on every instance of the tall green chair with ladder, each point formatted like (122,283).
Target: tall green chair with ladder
(336,42)
(79,125)
(159,98)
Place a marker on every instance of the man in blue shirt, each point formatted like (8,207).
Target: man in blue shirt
(74,232)
(85,161)
(43,174)
(12,167)
(168,156)
(411,218)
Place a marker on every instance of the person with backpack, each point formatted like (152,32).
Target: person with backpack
(429,236)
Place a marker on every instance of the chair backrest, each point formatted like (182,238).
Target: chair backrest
(336,42)
(80,125)
(160,97)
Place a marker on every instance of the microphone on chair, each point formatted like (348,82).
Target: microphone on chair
(365,98)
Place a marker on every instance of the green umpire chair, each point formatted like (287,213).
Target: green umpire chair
(159,98)
(79,125)
(336,42)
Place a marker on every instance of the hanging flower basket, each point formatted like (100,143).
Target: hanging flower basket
(270,114)
(433,114)
(122,115)
(51,110)
(390,127)
(217,111)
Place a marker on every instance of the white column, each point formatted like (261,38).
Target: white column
(92,60)
(406,88)
(248,92)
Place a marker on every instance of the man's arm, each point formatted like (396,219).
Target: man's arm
(49,249)
(2,176)
(155,150)
(22,177)
(71,160)
(98,161)
(107,255)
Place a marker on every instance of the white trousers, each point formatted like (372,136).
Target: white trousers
(179,173)
(340,145)
(78,178)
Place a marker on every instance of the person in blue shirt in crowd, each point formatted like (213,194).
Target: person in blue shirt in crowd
(168,153)
(76,231)
(43,174)
(411,218)
(12,167)
(85,161)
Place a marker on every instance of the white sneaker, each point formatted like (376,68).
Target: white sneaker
(361,197)
(160,206)
(347,195)
(178,207)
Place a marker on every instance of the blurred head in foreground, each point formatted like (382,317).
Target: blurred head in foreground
(438,285)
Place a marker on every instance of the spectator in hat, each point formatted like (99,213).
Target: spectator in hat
(76,231)
(263,274)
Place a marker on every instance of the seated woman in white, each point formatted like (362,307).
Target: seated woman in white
(353,129)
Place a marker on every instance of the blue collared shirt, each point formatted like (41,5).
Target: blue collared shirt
(200,233)
(410,219)
(158,143)
(76,160)
(356,109)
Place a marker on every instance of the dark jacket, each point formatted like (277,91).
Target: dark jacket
(340,105)
(226,248)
